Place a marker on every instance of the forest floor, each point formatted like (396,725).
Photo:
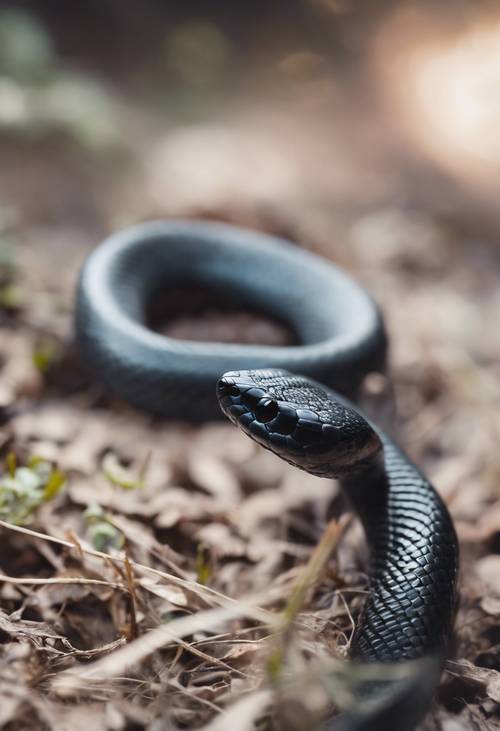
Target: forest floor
(157,575)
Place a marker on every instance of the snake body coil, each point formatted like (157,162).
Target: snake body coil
(409,612)
(337,323)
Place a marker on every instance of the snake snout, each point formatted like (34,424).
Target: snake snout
(229,391)
(226,386)
(238,396)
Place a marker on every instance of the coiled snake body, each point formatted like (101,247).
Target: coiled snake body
(409,612)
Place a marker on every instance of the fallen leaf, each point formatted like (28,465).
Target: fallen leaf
(488,569)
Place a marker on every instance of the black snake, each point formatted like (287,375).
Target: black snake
(409,612)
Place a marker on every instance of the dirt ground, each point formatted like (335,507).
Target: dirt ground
(152,574)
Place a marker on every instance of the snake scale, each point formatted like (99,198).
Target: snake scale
(293,401)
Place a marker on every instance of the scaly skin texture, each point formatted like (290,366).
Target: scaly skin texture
(409,611)
(414,550)
(413,545)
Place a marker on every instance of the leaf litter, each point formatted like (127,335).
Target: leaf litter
(160,573)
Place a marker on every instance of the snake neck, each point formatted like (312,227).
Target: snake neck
(366,485)
(414,557)
(357,467)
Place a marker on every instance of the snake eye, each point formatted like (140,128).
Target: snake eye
(266,410)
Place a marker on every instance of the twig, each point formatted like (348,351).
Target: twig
(205,592)
(70,681)
(30,581)
(129,574)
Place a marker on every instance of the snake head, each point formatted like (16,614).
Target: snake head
(298,420)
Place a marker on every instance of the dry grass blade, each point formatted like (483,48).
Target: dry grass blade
(315,566)
(308,578)
(129,575)
(209,658)
(114,665)
(243,714)
(27,581)
(204,592)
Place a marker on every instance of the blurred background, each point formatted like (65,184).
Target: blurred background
(119,110)
(367,132)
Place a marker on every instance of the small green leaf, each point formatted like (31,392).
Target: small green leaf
(121,476)
(103,533)
(54,484)
(11,463)
(24,487)
(35,460)
(93,513)
(45,354)
(105,536)
(12,297)
(275,664)
(203,568)
(144,468)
